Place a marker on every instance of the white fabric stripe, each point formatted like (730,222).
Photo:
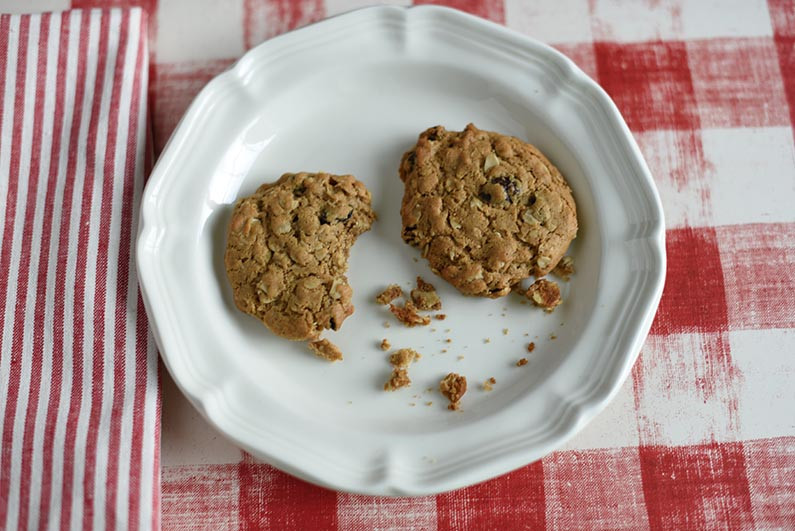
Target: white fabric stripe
(125,436)
(103,440)
(89,303)
(71,267)
(35,248)
(67,216)
(24,154)
(5,162)
(149,492)
(53,47)
(8,93)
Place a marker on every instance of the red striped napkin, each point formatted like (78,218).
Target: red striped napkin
(79,400)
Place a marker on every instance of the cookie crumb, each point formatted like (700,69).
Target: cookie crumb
(400,360)
(460,357)
(404,357)
(386,324)
(505,331)
(385,345)
(440,316)
(565,268)
(553,337)
(531,347)
(444,350)
(398,379)
(448,340)
(408,315)
(487,340)
(544,294)
(428,403)
(453,386)
(488,385)
(412,404)
(521,362)
(415,259)
(425,297)
(392,292)
(326,349)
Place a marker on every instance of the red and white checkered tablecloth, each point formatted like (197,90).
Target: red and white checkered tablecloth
(703,433)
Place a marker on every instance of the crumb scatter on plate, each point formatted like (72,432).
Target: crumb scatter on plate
(408,315)
(531,347)
(392,292)
(544,294)
(400,361)
(521,362)
(326,350)
(424,296)
(453,387)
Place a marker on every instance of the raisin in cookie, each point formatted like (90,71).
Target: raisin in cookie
(486,210)
(287,251)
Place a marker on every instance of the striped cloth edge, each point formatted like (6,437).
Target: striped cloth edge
(78,370)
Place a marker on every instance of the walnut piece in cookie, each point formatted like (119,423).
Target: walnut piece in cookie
(486,210)
(408,315)
(326,349)
(425,297)
(391,293)
(453,386)
(287,251)
(565,268)
(400,361)
(544,294)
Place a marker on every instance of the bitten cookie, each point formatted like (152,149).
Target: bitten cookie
(486,210)
(287,251)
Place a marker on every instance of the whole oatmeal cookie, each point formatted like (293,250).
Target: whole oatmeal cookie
(486,210)
(287,251)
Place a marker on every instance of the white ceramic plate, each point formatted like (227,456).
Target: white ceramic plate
(350,95)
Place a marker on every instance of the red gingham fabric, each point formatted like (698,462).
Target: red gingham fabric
(703,433)
(78,374)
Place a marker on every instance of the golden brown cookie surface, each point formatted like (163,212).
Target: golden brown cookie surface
(287,251)
(486,210)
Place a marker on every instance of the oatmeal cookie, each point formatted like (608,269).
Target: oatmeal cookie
(287,251)
(486,210)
